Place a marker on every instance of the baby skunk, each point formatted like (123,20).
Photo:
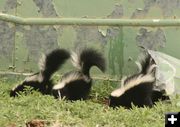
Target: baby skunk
(76,85)
(136,89)
(40,81)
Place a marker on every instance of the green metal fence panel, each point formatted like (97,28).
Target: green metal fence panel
(7,37)
(22,45)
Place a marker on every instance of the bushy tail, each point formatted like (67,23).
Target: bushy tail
(87,58)
(146,64)
(51,62)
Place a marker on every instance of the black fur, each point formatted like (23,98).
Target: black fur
(159,96)
(79,88)
(146,63)
(139,95)
(90,57)
(53,62)
(41,80)
(75,89)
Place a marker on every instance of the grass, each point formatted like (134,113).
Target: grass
(94,112)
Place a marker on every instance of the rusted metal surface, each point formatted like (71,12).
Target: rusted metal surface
(151,39)
(21,46)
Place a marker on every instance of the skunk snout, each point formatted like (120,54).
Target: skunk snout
(59,93)
(56,93)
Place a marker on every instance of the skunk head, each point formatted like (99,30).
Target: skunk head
(159,96)
(34,81)
(74,85)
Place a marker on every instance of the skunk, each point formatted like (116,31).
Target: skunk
(40,81)
(76,85)
(136,89)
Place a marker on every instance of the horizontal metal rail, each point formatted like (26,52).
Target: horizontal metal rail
(89,21)
(29,74)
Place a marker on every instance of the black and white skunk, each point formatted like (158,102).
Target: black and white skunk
(41,81)
(136,89)
(76,85)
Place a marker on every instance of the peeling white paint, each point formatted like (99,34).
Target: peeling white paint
(156,20)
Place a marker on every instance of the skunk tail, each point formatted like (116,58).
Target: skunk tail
(87,58)
(146,64)
(51,62)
